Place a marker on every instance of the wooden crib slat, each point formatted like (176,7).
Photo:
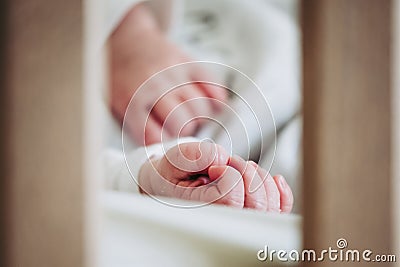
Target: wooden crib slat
(396,125)
(347,124)
(43,134)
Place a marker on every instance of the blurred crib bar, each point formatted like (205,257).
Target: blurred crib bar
(45,128)
(349,139)
(396,124)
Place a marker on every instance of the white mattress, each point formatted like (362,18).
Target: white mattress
(139,231)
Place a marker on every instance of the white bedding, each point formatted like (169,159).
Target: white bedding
(139,231)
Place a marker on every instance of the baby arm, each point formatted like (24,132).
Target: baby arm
(139,49)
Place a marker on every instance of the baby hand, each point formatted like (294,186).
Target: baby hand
(139,49)
(204,172)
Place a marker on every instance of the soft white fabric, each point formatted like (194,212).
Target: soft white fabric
(167,13)
(139,231)
(261,39)
(115,10)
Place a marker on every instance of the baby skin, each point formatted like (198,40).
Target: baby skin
(138,49)
(204,172)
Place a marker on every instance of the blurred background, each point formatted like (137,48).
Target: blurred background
(54,211)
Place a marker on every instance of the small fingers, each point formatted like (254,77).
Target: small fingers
(152,132)
(174,116)
(203,78)
(227,188)
(196,101)
(255,195)
(144,129)
(273,194)
(286,195)
(191,158)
